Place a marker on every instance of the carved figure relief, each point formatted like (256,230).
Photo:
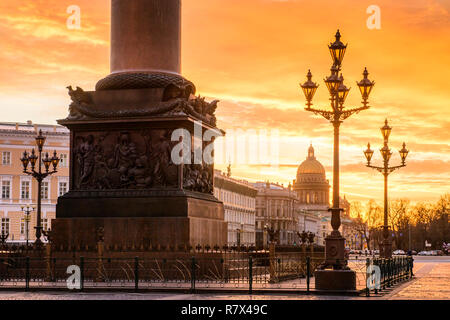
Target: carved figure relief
(135,159)
(123,160)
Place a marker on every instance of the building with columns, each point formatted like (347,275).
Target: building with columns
(238,197)
(276,209)
(19,189)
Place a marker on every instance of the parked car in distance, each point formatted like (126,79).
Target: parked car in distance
(424,253)
(399,252)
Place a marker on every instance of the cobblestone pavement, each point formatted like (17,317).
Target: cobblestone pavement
(432,281)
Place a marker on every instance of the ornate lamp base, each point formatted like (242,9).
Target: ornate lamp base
(340,278)
(335,280)
(335,253)
(386,249)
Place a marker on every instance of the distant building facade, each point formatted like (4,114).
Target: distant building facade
(19,189)
(238,197)
(276,209)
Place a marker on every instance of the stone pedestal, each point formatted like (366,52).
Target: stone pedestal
(334,251)
(124,176)
(177,219)
(335,280)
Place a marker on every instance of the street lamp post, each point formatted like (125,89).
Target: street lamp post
(27,211)
(386,244)
(238,236)
(39,175)
(335,243)
(265,237)
(3,237)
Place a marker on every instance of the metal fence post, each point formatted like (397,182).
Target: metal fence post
(396,270)
(367,277)
(27,273)
(308,272)
(411,266)
(136,274)
(375,262)
(250,275)
(193,275)
(81,273)
(390,263)
(54,270)
(403,268)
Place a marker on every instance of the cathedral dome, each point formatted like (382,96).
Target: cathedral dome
(310,166)
(311,184)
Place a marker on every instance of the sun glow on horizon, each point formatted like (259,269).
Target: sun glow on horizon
(252,55)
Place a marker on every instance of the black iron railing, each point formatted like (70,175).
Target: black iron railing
(236,272)
(382,274)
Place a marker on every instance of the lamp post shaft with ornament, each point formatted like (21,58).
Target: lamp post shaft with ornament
(27,211)
(39,175)
(335,243)
(386,170)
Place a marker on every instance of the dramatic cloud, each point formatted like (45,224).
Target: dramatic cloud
(252,55)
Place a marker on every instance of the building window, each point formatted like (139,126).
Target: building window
(5,226)
(25,190)
(62,188)
(6,189)
(6,157)
(63,160)
(44,190)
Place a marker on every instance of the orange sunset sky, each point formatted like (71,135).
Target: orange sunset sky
(252,54)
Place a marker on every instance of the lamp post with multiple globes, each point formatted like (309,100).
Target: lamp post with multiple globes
(386,244)
(335,243)
(40,174)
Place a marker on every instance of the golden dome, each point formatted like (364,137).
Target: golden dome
(310,166)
